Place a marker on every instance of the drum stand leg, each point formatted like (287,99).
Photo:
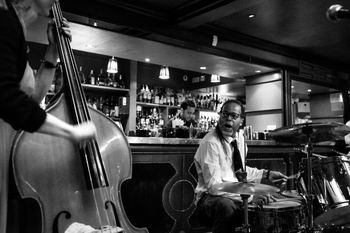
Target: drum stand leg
(245,227)
(310,228)
(309,196)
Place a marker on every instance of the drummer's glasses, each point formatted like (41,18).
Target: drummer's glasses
(234,115)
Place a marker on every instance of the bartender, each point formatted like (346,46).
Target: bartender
(185,117)
(184,122)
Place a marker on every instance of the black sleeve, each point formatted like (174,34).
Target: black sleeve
(16,108)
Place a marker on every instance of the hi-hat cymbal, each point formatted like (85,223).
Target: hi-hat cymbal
(316,132)
(247,188)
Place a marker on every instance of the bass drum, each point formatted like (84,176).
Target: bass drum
(331,187)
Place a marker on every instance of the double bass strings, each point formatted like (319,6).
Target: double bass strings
(91,148)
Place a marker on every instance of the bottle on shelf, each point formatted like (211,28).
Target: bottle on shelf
(100,104)
(106,107)
(109,81)
(100,79)
(114,80)
(149,95)
(92,79)
(141,93)
(94,103)
(81,75)
(121,81)
(145,94)
(156,96)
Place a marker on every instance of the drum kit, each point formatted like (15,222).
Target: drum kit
(321,202)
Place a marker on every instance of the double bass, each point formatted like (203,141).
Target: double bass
(74,182)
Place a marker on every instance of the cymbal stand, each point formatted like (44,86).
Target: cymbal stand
(309,193)
(245,227)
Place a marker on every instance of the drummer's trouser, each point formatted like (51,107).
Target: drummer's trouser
(222,214)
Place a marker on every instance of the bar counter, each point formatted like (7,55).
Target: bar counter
(160,195)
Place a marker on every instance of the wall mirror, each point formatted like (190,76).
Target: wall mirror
(315,103)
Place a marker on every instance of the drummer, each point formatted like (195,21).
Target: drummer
(217,159)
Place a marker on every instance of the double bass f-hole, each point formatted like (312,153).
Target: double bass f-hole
(70,182)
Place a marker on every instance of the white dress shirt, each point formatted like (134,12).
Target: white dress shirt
(213,162)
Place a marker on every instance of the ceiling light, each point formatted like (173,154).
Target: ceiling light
(251,16)
(203,68)
(258,71)
(164,73)
(309,90)
(112,66)
(292,87)
(90,46)
(95,24)
(147,59)
(215,78)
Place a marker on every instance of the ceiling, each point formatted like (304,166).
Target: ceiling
(296,29)
(218,34)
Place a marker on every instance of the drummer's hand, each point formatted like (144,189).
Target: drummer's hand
(241,175)
(260,200)
(277,178)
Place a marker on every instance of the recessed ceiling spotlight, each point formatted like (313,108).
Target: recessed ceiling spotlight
(90,46)
(147,59)
(258,71)
(203,68)
(95,24)
(251,16)
(309,90)
(292,87)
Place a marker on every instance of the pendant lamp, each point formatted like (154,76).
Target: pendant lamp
(112,66)
(215,78)
(164,73)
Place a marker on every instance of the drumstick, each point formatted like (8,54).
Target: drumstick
(314,154)
(294,176)
(291,177)
(339,153)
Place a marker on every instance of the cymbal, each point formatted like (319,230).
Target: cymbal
(316,132)
(247,188)
(337,217)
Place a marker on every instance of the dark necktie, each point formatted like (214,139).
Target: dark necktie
(236,157)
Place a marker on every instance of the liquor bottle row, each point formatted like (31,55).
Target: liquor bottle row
(158,95)
(172,97)
(151,122)
(149,119)
(111,106)
(207,102)
(102,79)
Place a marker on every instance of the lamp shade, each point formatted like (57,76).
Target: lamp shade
(164,73)
(215,78)
(112,66)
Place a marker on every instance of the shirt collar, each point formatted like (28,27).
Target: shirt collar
(230,139)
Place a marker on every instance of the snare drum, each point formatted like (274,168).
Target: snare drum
(277,217)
